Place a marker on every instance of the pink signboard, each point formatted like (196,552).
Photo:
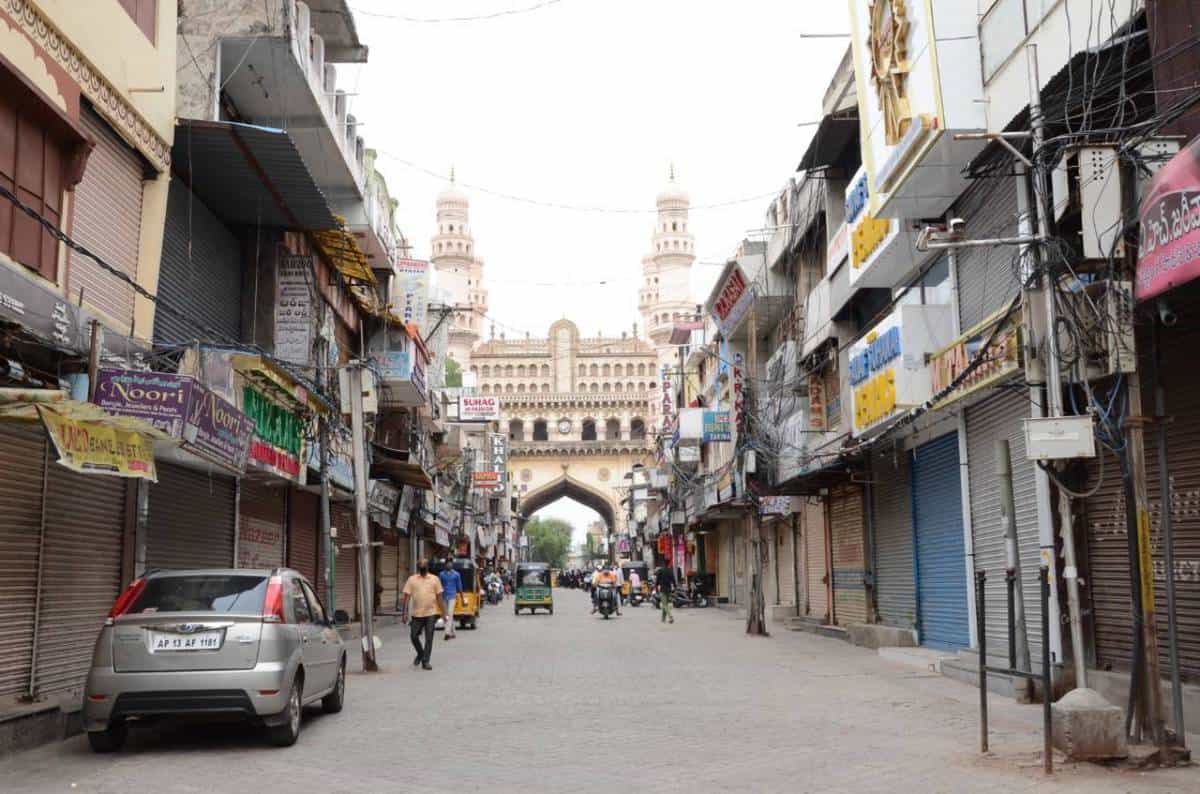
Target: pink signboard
(1169,252)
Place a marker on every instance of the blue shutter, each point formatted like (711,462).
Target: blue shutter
(940,555)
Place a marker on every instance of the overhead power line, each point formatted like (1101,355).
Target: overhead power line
(508,12)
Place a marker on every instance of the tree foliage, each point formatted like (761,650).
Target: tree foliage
(549,540)
(453,374)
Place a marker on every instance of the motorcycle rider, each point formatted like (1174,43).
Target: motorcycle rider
(604,576)
(494,578)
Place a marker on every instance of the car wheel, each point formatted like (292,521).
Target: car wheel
(516,610)
(285,735)
(110,739)
(335,700)
(551,610)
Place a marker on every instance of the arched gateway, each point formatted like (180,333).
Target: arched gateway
(575,425)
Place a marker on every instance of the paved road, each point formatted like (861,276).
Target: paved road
(547,703)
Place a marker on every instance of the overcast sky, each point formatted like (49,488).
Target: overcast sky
(585,103)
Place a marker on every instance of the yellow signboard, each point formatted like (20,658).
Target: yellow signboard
(99,447)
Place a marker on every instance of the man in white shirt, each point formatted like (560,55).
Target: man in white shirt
(635,582)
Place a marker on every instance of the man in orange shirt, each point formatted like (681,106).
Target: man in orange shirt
(424,592)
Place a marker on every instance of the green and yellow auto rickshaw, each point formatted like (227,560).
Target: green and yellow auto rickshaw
(532,588)
(643,572)
(466,605)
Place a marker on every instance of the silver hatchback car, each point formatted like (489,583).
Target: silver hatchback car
(255,643)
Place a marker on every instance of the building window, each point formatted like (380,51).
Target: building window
(516,430)
(508,371)
(520,388)
(520,370)
(618,370)
(606,370)
(539,430)
(508,388)
(582,369)
(595,387)
(487,371)
(485,389)
(674,226)
(545,388)
(607,387)
(643,386)
(619,387)
(595,371)
(589,429)
(545,370)
(641,369)
(637,429)
(612,430)
(144,13)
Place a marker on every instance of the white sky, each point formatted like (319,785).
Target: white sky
(586,103)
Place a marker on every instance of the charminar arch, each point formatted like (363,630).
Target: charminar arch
(580,412)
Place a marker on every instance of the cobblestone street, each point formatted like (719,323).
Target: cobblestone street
(545,703)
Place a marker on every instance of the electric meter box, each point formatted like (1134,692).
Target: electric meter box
(1063,438)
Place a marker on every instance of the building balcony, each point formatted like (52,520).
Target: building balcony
(280,79)
(627,446)
(575,399)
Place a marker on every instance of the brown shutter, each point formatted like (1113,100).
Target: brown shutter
(81,573)
(345,564)
(22,456)
(816,577)
(261,510)
(31,166)
(107,221)
(849,563)
(304,534)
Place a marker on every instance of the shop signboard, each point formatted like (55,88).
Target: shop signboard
(278,435)
(294,314)
(476,408)
(486,479)
(499,461)
(733,298)
(98,447)
(411,296)
(339,464)
(1001,360)
(718,426)
(1169,249)
(888,370)
(207,424)
(816,402)
(382,501)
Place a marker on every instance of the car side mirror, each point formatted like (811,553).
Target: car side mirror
(340,618)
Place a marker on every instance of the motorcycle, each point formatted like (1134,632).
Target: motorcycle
(636,599)
(495,593)
(681,598)
(606,600)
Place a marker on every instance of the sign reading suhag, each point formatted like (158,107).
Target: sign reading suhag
(478,408)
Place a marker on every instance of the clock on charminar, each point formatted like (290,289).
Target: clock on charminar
(564,426)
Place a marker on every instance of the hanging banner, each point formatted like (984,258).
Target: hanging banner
(412,290)
(732,300)
(294,317)
(1169,249)
(97,447)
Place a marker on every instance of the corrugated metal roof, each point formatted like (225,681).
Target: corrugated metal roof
(249,175)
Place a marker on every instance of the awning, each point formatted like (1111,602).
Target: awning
(249,175)
(681,332)
(834,134)
(343,252)
(268,374)
(402,472)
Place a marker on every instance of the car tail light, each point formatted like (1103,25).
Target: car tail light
(273,602)
(126,599)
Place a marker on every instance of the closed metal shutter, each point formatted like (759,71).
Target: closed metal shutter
(1106,536)
(191,520)
(389,580)
(81,573)
(941,560)
(303,517)
(201,271)
(895,589)
(1000,416)
(107,220)
(262,514)
(22,458)
(815,564)
(987,280)
(849,563)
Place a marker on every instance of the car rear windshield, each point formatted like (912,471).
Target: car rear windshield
(226,593)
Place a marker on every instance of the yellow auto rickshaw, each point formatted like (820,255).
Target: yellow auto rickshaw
(532,586)
(466,606)
(643,572)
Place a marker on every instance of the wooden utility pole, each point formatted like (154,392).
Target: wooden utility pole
(756,622)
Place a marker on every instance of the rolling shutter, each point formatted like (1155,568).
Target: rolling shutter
(22,458)
(303,518)
(201,271)
(81,575)
(389,579)
(341,516)
(1000,416)
(108,221)
(785,547)
(987,280)
(849,563)
(816,574)
(191,520)
(895,590)
(261,515)
(941,560)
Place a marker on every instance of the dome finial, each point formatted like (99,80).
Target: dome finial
(671,176)
(452,175)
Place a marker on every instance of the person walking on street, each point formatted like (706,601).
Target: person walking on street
(665,581)
(635,583)
(620,587)
(452,585)
(424,592)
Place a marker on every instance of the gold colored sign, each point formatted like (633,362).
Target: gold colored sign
(1002,359)
(97,447)
(888,45)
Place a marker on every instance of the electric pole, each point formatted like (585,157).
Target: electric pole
(365,582)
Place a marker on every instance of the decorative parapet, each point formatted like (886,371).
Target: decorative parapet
(532,449)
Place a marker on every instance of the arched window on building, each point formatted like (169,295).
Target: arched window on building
(594,370)
(606,370)
(545,388)
(583,369)
(589,430)
(485,389)
(637,429)
(674,226)
(539,430)
(516,430)
(618,370)
(595,387)
(508,371)
(520,388)
(631,386)
(545,370)
(641,369)
(618,387)
(520,370)
(612,429)
(486,371)
(508,389)
(607,387)
(641,386)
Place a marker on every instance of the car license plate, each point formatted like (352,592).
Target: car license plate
(162,641)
